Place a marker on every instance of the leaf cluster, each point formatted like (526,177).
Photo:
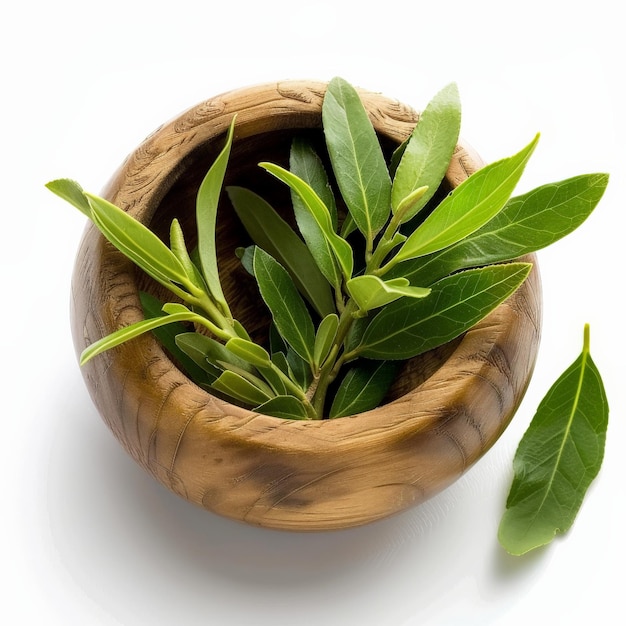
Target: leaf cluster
(377,271)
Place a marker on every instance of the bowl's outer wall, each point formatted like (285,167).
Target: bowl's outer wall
(263,470)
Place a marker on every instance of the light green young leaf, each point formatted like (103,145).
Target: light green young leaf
(364,387)
(471,205)
(357,157)
(72,192)
(371,292)
(207,202)
(249,351)
(305,163)
(269,231)
(557,459)
(428,152)
(324,338)
(526,224)
(126,333)
(288,310)
(408,327)
(152,307)
(138,243)
(179,249)
(240,388)
(286,407)
(341,249)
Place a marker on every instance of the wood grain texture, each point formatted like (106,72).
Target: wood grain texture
(446,411)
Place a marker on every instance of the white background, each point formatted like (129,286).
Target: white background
(86,536)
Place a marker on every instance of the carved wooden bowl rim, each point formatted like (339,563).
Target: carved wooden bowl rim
(148,402)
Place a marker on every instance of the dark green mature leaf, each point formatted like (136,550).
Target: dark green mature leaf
(429,150)
(363,387)
(286,407)
(269,231)
(408,327)
(288,310)
(357,157)
(305,163)
(558,457)
(207,202)
(472,204)
(137,242)
(526,224)
(341,249)
(71,191)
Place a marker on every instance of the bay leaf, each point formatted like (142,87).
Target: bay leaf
(558,457)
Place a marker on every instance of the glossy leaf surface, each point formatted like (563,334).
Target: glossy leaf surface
(285,406)
(357,157)
(272,233)
(371,292)
(207,202)
(409,327)
(472,204)
(289,312)
(364,387)
(558,457)
(427,154)
(526,224)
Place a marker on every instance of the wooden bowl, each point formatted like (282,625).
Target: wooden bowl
(446,411)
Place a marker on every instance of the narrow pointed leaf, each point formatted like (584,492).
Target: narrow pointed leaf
(409,327)
(269,231)
(207,202)
(286,407)
(289,312)
(357,157)
(249,351)
(341,249)
(371,292)
(179,249)
(557,459)
(137,242)
(428,152)
(199,347)
(325,337)
(526,224)
(130,332)
(305,163)
(72,192)
(471,205)
(364,387)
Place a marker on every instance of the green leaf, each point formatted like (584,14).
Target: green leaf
(269,231)
(363,387)
(203,349)
(240,388)
(138,243)
(356,157)
(409,327)
(130,332)
(305,163)
(341,249)
(249,351)
(288,310)
(427,155)
(207,202)
(286,407)
(72,192)
(371,292)
(179,249)
(324,338)
(557,459)
(526,224)
(472,204)
(166,335)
